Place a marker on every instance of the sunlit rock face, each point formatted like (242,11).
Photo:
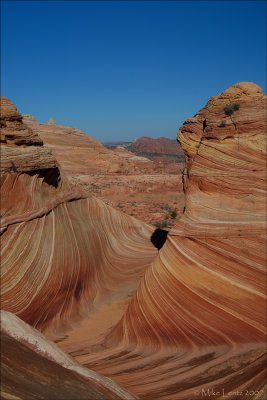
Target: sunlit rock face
(197,321)
(63,254)
(77,152)
(13,131)
(31,180)
(215,255)
(225,147)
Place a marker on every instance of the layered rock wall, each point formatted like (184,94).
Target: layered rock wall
(63,253)
(213,262)
(203,301)
(190,324)
(32,367)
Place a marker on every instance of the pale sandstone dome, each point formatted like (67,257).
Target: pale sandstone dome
(192,319)
(242,90)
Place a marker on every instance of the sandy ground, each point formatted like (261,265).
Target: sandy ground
(157,199)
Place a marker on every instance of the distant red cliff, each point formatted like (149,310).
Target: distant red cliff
(157,149)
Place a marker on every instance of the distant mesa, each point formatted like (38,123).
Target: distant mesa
(161,145)
(160,150)
(157,149)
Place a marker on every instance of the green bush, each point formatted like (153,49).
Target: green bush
(162,224)
(173,214)
(231,108)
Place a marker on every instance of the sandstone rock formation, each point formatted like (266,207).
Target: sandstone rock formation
(200,308)
(12,129)
(32,367)
(185,323)
(63,254)
(196,325)
(30,175)
(78,153)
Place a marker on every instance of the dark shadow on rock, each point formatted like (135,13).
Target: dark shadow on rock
(159,237)
(51,176)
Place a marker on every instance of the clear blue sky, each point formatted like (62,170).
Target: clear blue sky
(123,69)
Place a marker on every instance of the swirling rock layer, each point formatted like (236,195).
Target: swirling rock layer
(63,254)
(196,325)
(207,286)
(189,325)
(32,367)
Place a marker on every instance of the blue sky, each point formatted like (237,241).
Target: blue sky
(124,69)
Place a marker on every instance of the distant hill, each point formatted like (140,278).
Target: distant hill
(157,149)
(113,145)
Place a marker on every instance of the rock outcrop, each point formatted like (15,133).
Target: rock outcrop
(31,179)
(197,323)
(13,131)
(33,367)
(207,288)
(78,153)
(39,202)
(183,323)
(63,254)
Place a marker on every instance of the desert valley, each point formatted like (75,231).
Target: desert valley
(91,309)
(131,181)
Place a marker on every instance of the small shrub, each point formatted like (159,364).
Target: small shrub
(173,214)
(162,224)
(236,106)
(222,124)
(13,167)
(231,108)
